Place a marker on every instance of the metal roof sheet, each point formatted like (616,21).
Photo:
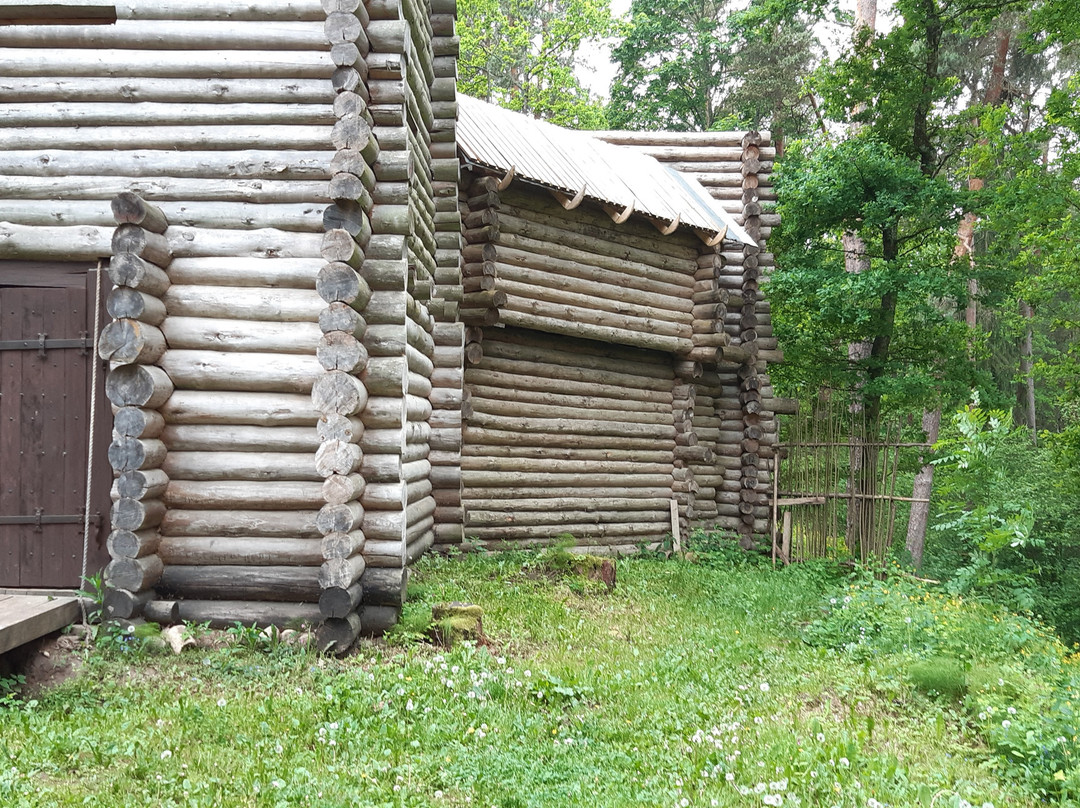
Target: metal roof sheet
(568,161)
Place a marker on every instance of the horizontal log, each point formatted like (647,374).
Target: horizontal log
(191,407)
(272,524)
(564,426)
(243,494)
(278,273)
(256,551)
(522,518)
(216,334)
(520,313)
(476,436)
(274,583)
(482,479)
(240,438)
(583,533)
(385,586)
(156,63)
(340,427)
(198,137)
(338,392)
(132,271)
(389,412)
(259,613)
(257,372)
(528,465)
(253,466)
(244,303)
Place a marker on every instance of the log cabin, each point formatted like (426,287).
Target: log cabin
(342,315)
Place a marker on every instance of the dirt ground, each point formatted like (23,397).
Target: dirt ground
(45,662)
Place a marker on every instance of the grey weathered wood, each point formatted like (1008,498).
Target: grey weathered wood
(340,602)
(272,583)
(133,574)
(220,464)
(337,635)
(385,586)
(133,514)
(339,350)
(337,457)
(227,613)
(237,408)
(216,370)
(339,392)
(131,304)
(132,271)
(243,494)
(341,573)
(131,208)
(339,489)
(240,550)
(151,247)
(213,333)
(138,385)
(342,545)
(24,618)
(128,454)
(132,544)
(127,341)
(340,283)
(339,518)
(121,604)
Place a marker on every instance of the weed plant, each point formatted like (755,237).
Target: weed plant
(690,684)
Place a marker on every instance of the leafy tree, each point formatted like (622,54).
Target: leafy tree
(695,65)
(523,56)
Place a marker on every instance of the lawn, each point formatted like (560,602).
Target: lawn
(689,684)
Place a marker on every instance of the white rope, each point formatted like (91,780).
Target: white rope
(90,439)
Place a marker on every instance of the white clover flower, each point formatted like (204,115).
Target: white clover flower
(1006,724)
(779,785)
(761,788)
(764,687)
(730,777)
(845,762)
(221,702)
(820,737)
(772,799)
(279,749)
(409,705)
(166,754)
(1011,711)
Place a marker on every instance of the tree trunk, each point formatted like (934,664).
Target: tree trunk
(921,489)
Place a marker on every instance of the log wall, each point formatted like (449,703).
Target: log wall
(566,436)
(273,347)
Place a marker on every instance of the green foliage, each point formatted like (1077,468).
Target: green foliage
(93,591)
(687,682)
(1019,684)
(906,220)
(939,676)
(697,66)
(523,56)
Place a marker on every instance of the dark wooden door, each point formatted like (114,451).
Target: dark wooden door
(46,358)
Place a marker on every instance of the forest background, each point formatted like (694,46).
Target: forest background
(929,257)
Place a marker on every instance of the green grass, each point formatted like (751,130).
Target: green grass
(690,684)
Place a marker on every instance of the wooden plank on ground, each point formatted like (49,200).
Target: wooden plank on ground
(25,618)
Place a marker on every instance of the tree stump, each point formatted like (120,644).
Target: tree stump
(453,622)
